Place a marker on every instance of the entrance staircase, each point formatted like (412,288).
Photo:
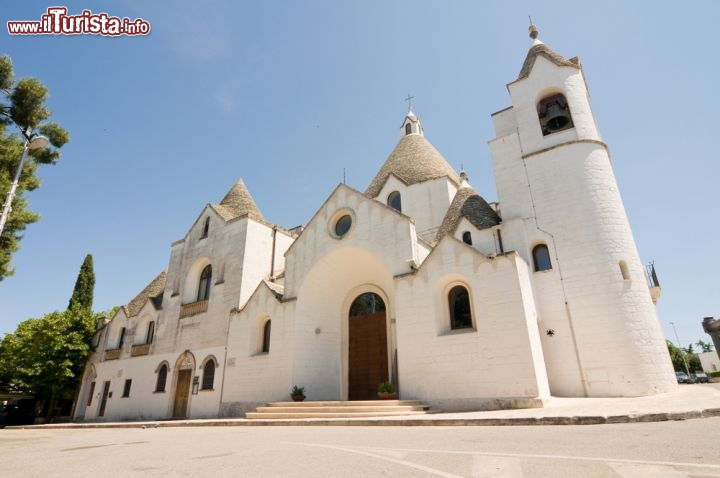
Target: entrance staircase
(338,409)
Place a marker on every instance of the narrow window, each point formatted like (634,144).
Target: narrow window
(206,228)
(161,379)
(208,375)
(467,237)
(541,258)
(459,303)
(554,114)
(500,243)
(150,332)
(121,340)
(266,337)
(395,201)
(624,270)
(408,128)
(90,394)
(126,388)
(204,285)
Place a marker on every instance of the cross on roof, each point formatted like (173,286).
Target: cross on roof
(408,99)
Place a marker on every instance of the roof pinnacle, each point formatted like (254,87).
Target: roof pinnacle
(533,31)
(464,180)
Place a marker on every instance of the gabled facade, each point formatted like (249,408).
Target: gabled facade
(462,304)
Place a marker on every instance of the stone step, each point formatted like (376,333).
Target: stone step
(339,409)
(343,409)
(340,403)
(304,414)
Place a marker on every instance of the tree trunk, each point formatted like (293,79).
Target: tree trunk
(51,408)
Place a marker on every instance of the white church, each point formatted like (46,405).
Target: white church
(418,280)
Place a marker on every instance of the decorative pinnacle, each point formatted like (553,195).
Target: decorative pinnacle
(532,29)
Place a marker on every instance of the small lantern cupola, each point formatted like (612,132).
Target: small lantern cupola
(464,180)
(411,124)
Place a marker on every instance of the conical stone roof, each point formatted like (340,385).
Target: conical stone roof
(153,291)
(541,49)
(238,202)
(414,160)
(470,205)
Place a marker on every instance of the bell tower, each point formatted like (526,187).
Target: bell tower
(563,213)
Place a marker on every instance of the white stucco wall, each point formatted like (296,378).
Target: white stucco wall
(499,358)
(561,191)
(426,203)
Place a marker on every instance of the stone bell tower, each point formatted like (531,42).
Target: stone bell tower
(562,211)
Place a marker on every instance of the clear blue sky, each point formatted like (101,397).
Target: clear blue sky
(287,94)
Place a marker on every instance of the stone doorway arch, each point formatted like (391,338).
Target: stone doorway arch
(367,346)
(184,368)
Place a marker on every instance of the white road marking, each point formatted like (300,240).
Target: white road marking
(553,457)
(496,467)
(631,470)
(386,458)
(375,450)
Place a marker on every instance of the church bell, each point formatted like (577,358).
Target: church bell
(557,117)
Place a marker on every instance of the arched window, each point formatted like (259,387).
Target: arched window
(408,128)
(266,337)
(395,201)
(467,237)
(208,375)
(204,285)
(459,303)
(161,378)
(150,332)
(541,258)
(206,228)
(121,338)
(367,303)
(554,114)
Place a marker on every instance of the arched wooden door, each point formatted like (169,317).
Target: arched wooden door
(367,351)
(185,368)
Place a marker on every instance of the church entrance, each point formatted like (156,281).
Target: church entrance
(367,351)
(185,367)
(181,394)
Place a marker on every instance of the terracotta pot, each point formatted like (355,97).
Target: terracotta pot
(298,398)
(387,395)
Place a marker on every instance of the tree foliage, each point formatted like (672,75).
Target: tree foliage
(678,357)
(704,346)
(82,295)
(22,106)
(46,356)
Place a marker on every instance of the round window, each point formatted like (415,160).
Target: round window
(342,226)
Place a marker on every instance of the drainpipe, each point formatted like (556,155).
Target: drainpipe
(272,257)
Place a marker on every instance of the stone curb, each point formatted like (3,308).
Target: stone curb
(412,422)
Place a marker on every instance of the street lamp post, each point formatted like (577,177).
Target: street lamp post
(32,141)
(682,352)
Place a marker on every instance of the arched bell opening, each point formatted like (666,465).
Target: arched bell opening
(554,114)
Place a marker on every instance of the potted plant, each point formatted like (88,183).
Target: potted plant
(386,391)
(297,393)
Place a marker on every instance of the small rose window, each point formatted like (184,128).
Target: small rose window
(342,225)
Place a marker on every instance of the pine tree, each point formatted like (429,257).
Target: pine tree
(82,296)
(22,106)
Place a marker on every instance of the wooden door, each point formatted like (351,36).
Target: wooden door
(367,355)
(182,391)
(103,401)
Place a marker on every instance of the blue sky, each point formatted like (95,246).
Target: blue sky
(288,94)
